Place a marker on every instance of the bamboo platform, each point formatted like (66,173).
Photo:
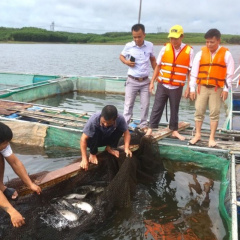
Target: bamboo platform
(226,140)
(45,115)
(8,107)
(57,119)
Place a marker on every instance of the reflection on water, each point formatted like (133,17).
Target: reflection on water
(179,205)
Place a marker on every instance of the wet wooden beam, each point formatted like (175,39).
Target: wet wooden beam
(165,132)
(61,122)
(52,178)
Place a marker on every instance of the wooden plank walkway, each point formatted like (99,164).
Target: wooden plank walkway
(165,132)
(45,115)
(226,140)
(8,107)
(53,119)
(42,115)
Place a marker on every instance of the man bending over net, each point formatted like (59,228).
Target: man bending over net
(104,129)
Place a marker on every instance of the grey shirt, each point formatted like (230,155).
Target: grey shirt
(93,125)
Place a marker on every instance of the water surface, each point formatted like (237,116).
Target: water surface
(72,59)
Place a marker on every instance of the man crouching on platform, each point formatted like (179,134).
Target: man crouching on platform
(104,129)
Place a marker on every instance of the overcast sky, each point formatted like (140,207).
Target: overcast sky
(100,16)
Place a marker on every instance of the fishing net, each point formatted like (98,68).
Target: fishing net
(106,187)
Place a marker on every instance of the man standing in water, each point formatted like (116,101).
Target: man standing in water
(104,129)
(138,55)
(173,66)
(212,71)
(10,193)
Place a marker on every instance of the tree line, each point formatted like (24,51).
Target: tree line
(31,34)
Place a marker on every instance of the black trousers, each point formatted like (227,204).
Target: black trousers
(161,97)
(98,140)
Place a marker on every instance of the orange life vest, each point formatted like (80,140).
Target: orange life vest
(174,71)
(212,71)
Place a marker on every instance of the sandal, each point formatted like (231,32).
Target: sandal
(8,192)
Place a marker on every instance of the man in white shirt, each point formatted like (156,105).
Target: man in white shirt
(212,72)
(10,193)
(138,55)
(173,66)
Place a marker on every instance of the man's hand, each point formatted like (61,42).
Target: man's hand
(151,86)
(112,151)
(16,218)
(192,95)
(84,164)
(129,63)
(224,95)
(187,92)
(35,188)
(128,152)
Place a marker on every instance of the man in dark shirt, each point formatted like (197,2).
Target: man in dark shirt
(104,129)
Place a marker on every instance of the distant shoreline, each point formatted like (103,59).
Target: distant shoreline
(32,35)
(120,44)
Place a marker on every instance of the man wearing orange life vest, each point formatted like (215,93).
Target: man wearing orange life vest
(212,72)
(173,66)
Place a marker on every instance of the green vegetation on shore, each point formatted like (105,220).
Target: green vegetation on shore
(30,34)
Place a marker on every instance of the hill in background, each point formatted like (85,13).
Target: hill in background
(30,34)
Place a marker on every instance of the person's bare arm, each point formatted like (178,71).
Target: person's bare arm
(83,146)
(224,95)
(187,90)
(153,62)
(20,170)
(154,77)
(16,218)
(127,62)
(127,138)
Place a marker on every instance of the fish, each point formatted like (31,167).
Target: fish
(91,188)
(88,188)
(83,206)
(75,196)
(70,216)
(99,189)
(65,203)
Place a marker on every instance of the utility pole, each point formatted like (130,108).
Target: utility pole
(52,27)
(140,9)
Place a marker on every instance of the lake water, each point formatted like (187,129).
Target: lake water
(72,59)
(87,60)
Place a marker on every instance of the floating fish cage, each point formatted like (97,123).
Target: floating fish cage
(49,126)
